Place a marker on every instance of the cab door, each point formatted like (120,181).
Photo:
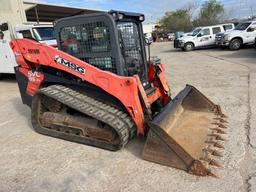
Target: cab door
(251,33)
(205,38)
(216,30)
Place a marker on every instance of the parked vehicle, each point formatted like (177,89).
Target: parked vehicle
(201,37)
(171,36)
(178,34)
(243,34)
(40,33)
(7,59)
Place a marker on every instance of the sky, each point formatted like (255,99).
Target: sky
(155,9)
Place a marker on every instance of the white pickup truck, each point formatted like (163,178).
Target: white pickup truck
(244,33)
(201,37)
(41,33)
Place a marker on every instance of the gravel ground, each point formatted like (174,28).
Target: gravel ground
(33,162)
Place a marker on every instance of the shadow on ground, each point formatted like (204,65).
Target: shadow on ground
(8,78)
(21,109)
(173,51)
(243,53)
(136,145)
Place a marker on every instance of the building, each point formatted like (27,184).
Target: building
(149,28)
(17,12)
(23,11)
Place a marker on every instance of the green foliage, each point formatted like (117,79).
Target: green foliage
(178,20)
(211,12)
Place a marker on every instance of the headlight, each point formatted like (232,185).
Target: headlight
(120,16)
(141,18)
(226,37)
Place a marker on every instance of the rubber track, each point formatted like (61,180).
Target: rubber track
(118,120)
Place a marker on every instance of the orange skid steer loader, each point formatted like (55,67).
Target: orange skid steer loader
(99,89)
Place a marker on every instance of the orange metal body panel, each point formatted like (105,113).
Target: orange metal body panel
(126,89)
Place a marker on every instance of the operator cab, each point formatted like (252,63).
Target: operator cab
(112,41)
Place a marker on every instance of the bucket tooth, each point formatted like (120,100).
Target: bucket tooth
(224,116)
(215,163)
(220,138)
(179,134)
(221,120)
(215,143)
(217,130)
(219,145)
(207,155)
(200,168)
(212,174)
(221,125)
(213,152)
(217,137)
(218,111)
(217,153)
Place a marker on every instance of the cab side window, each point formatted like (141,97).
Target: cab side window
(26,34)
(216,30)
(90,42)
(253,26)
(206,32)
(227,27)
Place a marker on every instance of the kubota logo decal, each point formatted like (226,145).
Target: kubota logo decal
(34,76)
(69,64)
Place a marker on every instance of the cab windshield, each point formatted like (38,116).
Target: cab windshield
(242,26)
(44,33)
(195,31)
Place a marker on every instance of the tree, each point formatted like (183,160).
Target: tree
(211,13)
(178,20)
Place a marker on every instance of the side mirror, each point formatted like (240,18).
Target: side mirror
(147,41)
(199,35)
(250,29)
(4,27)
